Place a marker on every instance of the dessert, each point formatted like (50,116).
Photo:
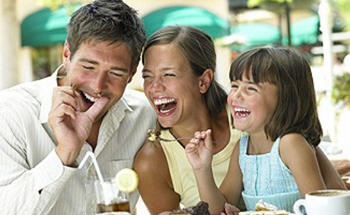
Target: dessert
(264,208)
(279,212)
(202,208)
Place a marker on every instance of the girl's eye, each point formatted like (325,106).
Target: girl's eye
(234,85)
(252,88)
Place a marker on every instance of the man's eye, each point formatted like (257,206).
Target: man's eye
(88,67)
(117,74)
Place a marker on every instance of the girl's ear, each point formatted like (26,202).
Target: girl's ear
(205,80)
(66,54)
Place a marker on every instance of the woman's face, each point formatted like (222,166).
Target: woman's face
(170,85)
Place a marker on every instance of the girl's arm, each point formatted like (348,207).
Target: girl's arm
(199,154)
(232,185)
(155,184)
(300,158)
(330,176)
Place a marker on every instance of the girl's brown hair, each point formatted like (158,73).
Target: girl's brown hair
(296,109)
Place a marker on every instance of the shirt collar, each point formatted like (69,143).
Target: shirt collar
(46,97)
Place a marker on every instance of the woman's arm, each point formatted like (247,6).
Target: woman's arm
(330,176)
(155,184)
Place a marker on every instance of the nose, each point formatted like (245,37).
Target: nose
(99,83)
(156,85)
(235,95)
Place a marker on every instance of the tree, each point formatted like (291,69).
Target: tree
(343,6)
(54,4)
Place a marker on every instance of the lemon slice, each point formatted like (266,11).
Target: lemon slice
(126,180)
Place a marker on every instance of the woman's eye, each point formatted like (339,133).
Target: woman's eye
(146,75)
(170,75)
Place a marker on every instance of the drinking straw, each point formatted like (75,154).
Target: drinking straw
(94,161)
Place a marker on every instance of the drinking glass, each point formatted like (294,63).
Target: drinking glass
(114,167)
(110,200)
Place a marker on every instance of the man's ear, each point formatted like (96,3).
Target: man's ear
(134,70)
(66,54)
(132,73)
(205,80)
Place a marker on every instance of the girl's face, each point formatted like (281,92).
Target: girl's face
(170,85)
(252,104)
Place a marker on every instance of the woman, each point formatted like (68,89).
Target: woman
(179,69)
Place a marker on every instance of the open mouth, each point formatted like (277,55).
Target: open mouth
(241,112)
(88,99)
(165,105)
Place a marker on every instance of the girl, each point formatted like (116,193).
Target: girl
(272,98)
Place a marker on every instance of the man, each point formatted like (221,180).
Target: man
(47,126)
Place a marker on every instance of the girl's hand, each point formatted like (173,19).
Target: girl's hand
(199,150)
(230,210)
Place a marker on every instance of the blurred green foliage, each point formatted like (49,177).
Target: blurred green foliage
(341,89)
(343,6)
(253,3)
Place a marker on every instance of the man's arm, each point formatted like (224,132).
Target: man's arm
(23,189)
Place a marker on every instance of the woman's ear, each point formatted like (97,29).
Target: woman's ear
(205,80)
(66,54)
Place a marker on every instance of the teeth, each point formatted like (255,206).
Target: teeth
(163,101)
(92,99)
(241,110)
(164,111)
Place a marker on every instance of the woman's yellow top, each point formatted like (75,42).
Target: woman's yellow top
(181,172)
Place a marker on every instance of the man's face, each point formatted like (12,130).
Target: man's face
(98,69)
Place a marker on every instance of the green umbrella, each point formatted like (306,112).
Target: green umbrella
(46,27)
(304,31)
(193,16)
(255,34)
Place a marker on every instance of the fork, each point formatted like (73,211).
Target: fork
(175,139)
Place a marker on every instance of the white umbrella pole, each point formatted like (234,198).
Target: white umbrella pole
(326,25)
